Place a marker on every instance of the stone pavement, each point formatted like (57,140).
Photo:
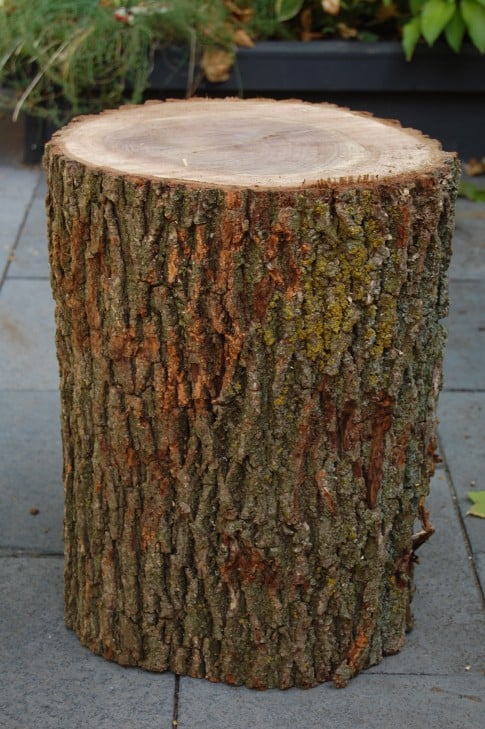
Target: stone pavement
(49,681)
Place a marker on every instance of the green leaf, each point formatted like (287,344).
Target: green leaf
(478,499)
(435,17)
(287,9)
(481,2)
(471,192)
(416,5)
(410,36)
(474,17)
(455,30)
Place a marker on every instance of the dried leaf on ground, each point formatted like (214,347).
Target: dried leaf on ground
(478,499)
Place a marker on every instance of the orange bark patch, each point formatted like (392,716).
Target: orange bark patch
(148,536)
(263,292)
(293,283)
(404,569)
(350,429)
(174,391)
(108,652)
(96,339)
(87,590)
(307,436)
(357,470)
(403,230)
(200,252)
(92,311)
(356,650)
(400,448)
(122,344)
(78,240)
(150,346)
(172,264)
(247,564)
(381,424)
(131,458)
(233,345)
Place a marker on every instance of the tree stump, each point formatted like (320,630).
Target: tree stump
(248,296)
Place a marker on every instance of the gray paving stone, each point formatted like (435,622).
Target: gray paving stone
(30,475)
(30,258)
(17,183)
(50,681)
(41,189)
(465,353)
(468,261)
(462,434)
(27,352)
(368,702)
(17,187)
(9,231)
(449,631)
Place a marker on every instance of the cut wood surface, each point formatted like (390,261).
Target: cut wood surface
(252,143)
(248,302)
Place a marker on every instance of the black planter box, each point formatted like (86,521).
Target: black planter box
(438,92)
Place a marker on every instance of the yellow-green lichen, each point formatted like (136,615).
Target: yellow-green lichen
(339,274)
(269,337)
(386,324)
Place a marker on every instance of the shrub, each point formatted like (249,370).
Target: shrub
(61,58)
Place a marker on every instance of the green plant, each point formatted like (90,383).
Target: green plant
(64,58)
(59,58)
(361,19)
(412,20)
(453,19)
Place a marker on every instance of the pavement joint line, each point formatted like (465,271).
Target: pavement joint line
(369,674)
(28,208)
(176,699)
(464,531)
(29,389)
(28,278)
(478,390)
(17,552)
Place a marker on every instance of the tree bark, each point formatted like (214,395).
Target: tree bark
(249,374)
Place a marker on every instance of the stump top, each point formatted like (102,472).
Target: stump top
(251,143)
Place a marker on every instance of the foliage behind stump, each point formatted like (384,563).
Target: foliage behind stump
(248,298)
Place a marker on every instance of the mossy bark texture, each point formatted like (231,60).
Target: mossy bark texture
(248,382)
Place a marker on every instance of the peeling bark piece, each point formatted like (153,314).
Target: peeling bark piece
(248,302)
